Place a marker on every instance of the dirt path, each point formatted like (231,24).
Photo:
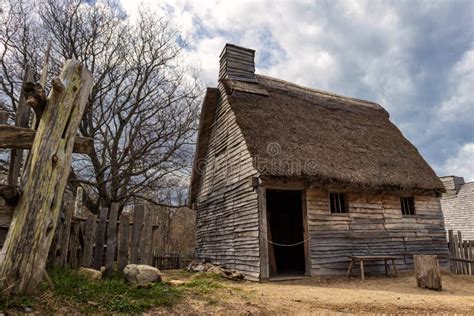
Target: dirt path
(374,295)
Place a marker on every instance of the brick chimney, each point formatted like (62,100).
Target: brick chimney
(452,184)
(237,63)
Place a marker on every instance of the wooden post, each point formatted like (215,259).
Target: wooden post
(21,120)
(111,239)
(123,242)
(427,272)
(25,251)
(138,215)
(145,240)
(78,203)
(74,245)
(3,117)
(100,237)
(89,229)
(471,242)
(68,211)
(452,264)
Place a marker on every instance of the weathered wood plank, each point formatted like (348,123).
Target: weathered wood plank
(123,242)
(89,229)
(111,239)
(138,217)
(66,233)
(16,137)
(100,237)
(146,238)
(21,120)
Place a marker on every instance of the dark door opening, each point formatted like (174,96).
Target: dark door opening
(285,227)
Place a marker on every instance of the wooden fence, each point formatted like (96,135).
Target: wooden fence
(99,241)
(172,260)
(460,254)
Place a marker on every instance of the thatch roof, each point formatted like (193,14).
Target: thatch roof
(306,134)
(302,134)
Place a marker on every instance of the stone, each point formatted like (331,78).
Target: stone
(90,274)
(141,274)
(176,282)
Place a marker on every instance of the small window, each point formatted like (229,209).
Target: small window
(408,205)
(338,202)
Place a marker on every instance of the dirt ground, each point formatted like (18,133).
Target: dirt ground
(377,294)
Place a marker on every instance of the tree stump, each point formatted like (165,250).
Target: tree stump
(25,251)
(427,272)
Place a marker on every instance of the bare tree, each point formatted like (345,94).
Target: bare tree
(143,108)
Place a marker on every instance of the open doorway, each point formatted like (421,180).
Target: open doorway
(285,227)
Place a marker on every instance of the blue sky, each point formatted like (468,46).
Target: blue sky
(415,58)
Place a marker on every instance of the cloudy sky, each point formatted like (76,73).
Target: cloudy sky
(416,58)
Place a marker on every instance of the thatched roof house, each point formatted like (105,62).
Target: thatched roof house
(458,206)
(278,163)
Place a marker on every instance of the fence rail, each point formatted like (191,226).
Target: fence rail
(460,254)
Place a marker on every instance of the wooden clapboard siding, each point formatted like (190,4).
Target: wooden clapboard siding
(227,210)
(373,226)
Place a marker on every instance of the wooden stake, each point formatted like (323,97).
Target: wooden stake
(25,251)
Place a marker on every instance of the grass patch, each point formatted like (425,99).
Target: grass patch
(203,284)
(72,292)
(110,295)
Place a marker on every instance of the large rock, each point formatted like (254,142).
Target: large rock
(90,274)
(141,274)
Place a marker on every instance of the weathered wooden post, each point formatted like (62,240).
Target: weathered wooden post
(111,239)
(25,251)
(427,272)
(123,242)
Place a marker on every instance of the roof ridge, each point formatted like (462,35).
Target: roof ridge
(361,102)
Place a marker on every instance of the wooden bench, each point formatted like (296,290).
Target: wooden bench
(371,258)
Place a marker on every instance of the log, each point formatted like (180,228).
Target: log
(22,138)
(111,239)
(25,251)
(427,272)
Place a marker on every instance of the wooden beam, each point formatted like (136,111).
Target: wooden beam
(25,251)
(22,138)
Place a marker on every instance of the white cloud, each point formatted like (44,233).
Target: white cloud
(462,164)
(460,101)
